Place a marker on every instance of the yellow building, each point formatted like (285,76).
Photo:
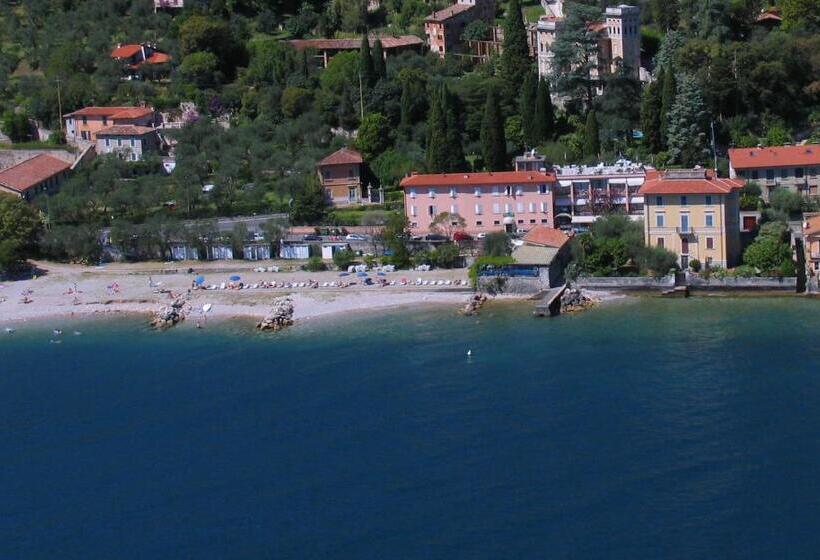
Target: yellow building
(694,214)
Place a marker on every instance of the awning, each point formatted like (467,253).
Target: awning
(636,200)
(617,181)
(565,183)
(583,219)
(581,182)
(581,202)
(634,181)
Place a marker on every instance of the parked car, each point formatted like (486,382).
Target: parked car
(481,235)
(435,237)
(462,236)
(355,237)
(311,237)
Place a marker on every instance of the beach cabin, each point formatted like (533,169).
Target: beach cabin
(220,252)
(330,249)
(184,252)
(256,251)
(294,251)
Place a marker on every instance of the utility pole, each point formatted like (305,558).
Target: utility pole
(361,95)
(60,106)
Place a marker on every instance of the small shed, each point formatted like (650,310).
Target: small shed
(220,252)
(184,252)
(256,251)
(294,251)
(330,249)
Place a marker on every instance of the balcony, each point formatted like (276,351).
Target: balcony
(684,230)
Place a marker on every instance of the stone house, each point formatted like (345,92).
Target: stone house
(129,142)
(42,174)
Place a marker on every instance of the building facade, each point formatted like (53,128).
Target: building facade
(796,168)
(811,242)
(508,200)
(129,142)
(343,176)
(443,28)
(585,193)
(694,214)
(135,57)
(42,174)
(81,126)
(168,5)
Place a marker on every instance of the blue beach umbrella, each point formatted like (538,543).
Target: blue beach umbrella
(235,278)
(199,279)
(344,274)
(361,274)
(381,274)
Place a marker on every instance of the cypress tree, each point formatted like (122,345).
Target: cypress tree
(455,150)
(515,57)
(688,122)
(406,110)
(544,118)
(379,66)
(366,70)
(668,93)
(651,117)
(437,157)
(527,107)
(592,145)
(493,143)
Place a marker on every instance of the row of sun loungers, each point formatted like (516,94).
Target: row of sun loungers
(335,284)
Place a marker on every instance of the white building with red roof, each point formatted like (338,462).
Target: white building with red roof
(793,167)
(695,214)
(134,57)
(42,174)
(491,201)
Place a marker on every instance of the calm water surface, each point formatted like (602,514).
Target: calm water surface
(646,429)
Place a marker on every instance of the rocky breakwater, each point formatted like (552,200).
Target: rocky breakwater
(474,305)
(574,300)
(169,315)
(279,317)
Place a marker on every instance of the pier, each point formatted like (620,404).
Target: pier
(550,302)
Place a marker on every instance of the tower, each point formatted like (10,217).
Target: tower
(623,28)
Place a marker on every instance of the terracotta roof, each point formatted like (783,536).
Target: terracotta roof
(32,172)
(355,44)
(112,112)
(158,58)
(486,178)
(694,181)
(533,255)
(546,237)
(342,156)
(125,130)
(775,156)
(126,51)
(811,225)
(448,12)
(597,27)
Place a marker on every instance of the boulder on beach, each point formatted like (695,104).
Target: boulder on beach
(574,299)
(279,317)
(474,305)
(169,315)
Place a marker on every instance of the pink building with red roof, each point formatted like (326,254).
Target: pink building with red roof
(491,201)
(42,174)
(793,167)
(83,125)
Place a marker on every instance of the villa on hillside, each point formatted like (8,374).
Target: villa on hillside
(162,5)
(444,27)
(135,57)
(130,142)
(343,175)
(42,174)
(490,201)
(82,126)
(811,240)
(325,49)
(796,168)
(694,214)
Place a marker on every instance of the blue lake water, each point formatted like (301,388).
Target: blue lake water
(643,429)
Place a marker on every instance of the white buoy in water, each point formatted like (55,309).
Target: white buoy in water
(469,353)
(9,330)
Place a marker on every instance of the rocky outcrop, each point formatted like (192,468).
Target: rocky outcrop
(574,300)
(169,315)
(279,317)
(474,305)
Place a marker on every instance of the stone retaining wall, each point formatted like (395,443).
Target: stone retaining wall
(13,157)
(769,284)
(625,283)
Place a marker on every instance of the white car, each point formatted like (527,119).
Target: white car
(481,235)
(355,237)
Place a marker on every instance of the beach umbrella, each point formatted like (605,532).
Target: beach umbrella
(199,279)
(361,274)
(344,274)
(381,274)
(235,278)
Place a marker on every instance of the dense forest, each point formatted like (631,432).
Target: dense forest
(710,62)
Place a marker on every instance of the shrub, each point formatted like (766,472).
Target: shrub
(744,271)
(497,244)
(694,264)
(315,264)
(482,262)
(659,261)
(344,258)
(447,255)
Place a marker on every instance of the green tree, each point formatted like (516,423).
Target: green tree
(664,13)
(295,101)
(770,249)
(201,69)
(344,258)
(687,124)
(800,14)
(367,72)
(477,30)
(592,143)
(616,109)
(515,57)
(374,135)
(379,65)
(19,227)
(395,235)
(437,149)
(16,126)
(668,93)
(455,150)
(544,117)
(651,117)
(493,143)
(310,205)
(447,223)
(527,107)
(497,244)
(575,55)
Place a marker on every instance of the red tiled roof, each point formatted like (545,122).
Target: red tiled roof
(125,130)
(342,156)
(448,12)
(355,44)
(775,156)
(112,112)
(597,27)
(546,237)
(811,226)
(158,58)
(32,172)
(487,178)
(126,51)
(673,182)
